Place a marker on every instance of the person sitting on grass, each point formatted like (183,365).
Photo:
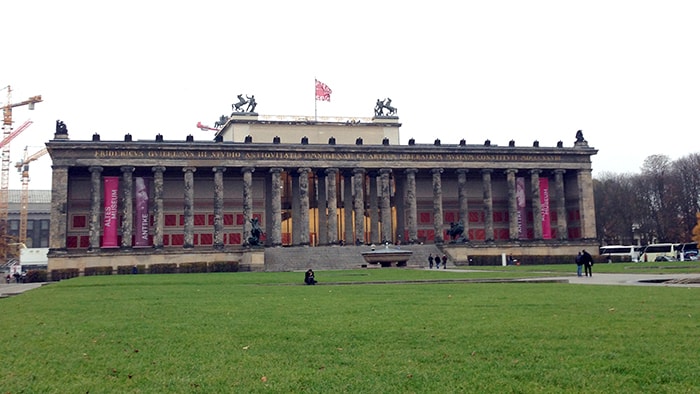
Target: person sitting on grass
(309,277)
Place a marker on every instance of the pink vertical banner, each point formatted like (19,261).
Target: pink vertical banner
(520,203)
(544,204)
(111,214)
(141,219)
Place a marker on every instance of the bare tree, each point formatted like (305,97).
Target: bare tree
(611,192)
(686,179)
(656,195)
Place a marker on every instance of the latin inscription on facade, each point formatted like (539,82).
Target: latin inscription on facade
(330,156)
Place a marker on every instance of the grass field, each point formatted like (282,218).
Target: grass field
(263,332)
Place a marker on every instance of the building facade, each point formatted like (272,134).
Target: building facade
(38,217)
(310,183)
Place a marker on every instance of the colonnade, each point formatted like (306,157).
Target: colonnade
(378,181)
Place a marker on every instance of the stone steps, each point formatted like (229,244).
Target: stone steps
(300,258)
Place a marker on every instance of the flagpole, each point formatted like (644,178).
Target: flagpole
(315,103)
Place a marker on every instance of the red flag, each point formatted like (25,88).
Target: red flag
(323,92)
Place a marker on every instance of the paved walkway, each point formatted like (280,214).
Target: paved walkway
(676,280)
(685,280)
(10,289)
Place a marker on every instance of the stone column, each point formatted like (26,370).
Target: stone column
(359,188)
(437,206)
(276,207)
(127,206)
(59,208)
(586,203)
(332,201)
(463,200)
(296,207)
(347,207)
(158,213)
(411,203)
(536,204)
(387,228)
(374,181)
(189,207)
(219,207)
(247,201)
(488,204)
(322,232)
(95,206)
(512,204)
(562,229)
(304,206)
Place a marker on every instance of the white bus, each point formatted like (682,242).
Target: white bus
(660,252)
(630,252)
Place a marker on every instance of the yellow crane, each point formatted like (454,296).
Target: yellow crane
(23,169)
(5,171)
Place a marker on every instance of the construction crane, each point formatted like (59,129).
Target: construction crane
(5,171)
(23,169)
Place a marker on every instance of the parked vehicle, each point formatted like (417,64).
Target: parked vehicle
(627,251)
(664,258)
(652,251)
(690,255)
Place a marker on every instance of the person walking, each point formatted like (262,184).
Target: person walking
(579,264)
(587,260)
(437,262)
(444,261)
(430,261)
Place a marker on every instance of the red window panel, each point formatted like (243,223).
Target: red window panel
(79,221)
(171,220)
(177,239)
(430,235)
(258,216)
(182,220)
(166,240)
(470,234)
(425,218)
(234,238)
(501,233)
(530,233)
(72,241)
(286,238)
(475,217)
(421,234)
(554,233)
(206,239)
(497,217)
(84,241)
(228,219)
(200,220)
(479,234)
(195,239)
(210,220)
(450,216)
(574,232)
(240,219)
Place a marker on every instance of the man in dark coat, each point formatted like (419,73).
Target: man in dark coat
(587,261)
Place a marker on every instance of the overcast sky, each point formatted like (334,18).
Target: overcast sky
(627,73)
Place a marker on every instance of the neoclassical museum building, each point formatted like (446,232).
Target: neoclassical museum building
(315,187)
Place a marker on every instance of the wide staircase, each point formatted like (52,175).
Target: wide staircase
(301,258)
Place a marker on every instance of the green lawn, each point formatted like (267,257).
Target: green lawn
(263,332)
